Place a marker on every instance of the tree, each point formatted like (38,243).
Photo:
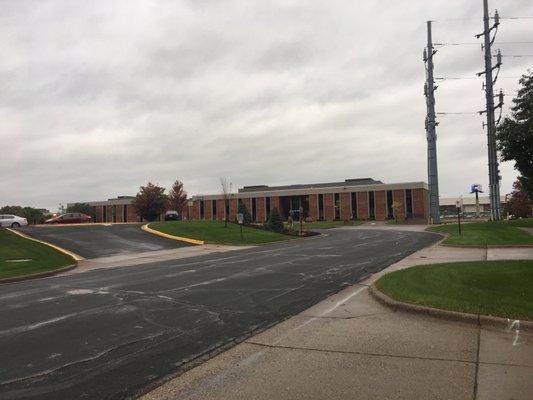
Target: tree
(83,208)
(515,134)
(177,197)
(226,195)
(33,215)
(150,201)
(519,202)
(396,206)
(275,223)
(247,218)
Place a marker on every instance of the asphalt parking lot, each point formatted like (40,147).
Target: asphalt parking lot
(114,334)
(95,241)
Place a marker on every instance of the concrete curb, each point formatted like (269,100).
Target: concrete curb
(38,275)
(146,228)
(489,246)
(75,256)
(480,319)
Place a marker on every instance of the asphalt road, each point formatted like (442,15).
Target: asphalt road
(113,334)
(95,241)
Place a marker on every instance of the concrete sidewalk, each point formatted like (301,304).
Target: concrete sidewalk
(349,346)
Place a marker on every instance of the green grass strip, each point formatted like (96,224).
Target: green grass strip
(214,232)
(487,233)
(40,257)
(499,288)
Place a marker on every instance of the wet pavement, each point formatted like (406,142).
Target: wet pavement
(115,333)
(100,240)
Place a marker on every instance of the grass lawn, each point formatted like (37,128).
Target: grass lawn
(500,288)
(487,233)
(40,258)
(214,232)
(323,224)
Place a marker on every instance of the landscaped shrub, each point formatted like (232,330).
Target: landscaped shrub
(275,223)
(247,218)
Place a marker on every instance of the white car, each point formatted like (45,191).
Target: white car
(12,221)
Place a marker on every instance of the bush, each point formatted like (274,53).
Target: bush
(275,223)
(247,218)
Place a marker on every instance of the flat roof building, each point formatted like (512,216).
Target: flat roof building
(363,198)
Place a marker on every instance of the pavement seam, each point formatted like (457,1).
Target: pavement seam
(357,353)
(354,317)
(476,377)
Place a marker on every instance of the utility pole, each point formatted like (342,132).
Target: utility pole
(494,172)
(429,92)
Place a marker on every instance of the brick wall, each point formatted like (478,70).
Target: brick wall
(195,210)
(380,205)
(274,203)
(98,213)
(220,210)
(399,196)
(233,205)
(346,206)
(420,203)
(328,207)
(313,206)
(109,216)
(120,213)
(207,210)
(260,212)
(248,204)
(362,205)
(131,214)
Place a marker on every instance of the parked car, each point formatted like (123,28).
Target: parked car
(69,218)
(12,221)
(172,216)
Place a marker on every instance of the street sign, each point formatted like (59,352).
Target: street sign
(475,187)
(240,218)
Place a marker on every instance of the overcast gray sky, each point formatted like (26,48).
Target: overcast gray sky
(99,97)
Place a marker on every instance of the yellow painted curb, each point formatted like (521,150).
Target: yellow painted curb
(64,251)
(146,228)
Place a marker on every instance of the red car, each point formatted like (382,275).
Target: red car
(69,218)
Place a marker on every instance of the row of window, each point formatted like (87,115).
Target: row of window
(114,213)
(408,203)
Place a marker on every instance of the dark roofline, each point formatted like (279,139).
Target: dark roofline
(347,182)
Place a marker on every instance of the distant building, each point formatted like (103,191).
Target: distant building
(364,199)
(351,199)
(448,205)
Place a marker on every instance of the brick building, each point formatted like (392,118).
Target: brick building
(352,199)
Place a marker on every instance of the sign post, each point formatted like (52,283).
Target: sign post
(476,188)
(240,220)
(458,206)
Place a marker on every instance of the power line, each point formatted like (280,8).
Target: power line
(477,43)
(458,113)
(516,55)
(516,17)
(443,78)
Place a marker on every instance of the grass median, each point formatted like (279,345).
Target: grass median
(499,288)
(215,232)
(323,224)
(487,233)
(21,256)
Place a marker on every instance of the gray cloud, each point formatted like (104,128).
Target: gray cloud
(97,98)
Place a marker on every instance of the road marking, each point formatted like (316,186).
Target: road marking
(62,250)
(146,228)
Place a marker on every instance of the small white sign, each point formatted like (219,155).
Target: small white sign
(240,218)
